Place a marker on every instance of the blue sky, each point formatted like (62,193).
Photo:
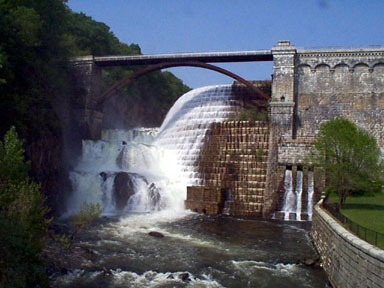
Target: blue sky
(167,26)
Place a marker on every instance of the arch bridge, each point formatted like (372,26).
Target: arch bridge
(302,84)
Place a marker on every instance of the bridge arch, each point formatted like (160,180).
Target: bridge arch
(129,79)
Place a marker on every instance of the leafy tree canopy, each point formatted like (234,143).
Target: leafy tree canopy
(350,158)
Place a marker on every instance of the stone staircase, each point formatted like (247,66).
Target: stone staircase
(233,167)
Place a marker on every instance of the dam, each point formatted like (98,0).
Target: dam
(308,87)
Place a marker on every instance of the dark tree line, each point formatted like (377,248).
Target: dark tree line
(37,38)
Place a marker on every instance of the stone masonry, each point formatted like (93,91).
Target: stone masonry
(233,164)
(340,83)
(86,78)
(348,261)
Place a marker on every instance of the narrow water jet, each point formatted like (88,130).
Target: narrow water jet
(298,191)
(310,194)
(289,205)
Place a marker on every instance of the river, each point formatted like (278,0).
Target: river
(215,251)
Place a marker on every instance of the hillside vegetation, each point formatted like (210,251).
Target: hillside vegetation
(38,37)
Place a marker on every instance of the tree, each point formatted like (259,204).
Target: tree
(350,158)
(23,226)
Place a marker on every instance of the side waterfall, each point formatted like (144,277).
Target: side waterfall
(144,170)
(292,207)
(298,192)
(289,197)
(310,195)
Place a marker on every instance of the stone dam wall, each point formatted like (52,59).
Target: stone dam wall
(339,83)
(233,163)
(348,261)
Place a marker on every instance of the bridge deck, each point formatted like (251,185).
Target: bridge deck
(206,57)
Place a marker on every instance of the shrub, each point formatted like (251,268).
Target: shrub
(87,213)
(23,226)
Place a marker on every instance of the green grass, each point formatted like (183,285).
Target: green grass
(367,211)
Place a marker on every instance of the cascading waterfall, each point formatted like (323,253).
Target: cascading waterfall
(184,128)
(298,191)
(289,197)
(121,172)
(292,201)
(142,171)
(310,194)
(145,170)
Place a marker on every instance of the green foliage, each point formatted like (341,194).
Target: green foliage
(350,158)
(243,116)
(259,154)
(33,60)
(87,213)
(86,36)
(63,240)
(23,226)
(12,166)
(253,114)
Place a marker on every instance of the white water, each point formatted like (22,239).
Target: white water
(93,178)
(164,161)
(184,128)
(289,197)
(310,194)
(298,191)
(292,201)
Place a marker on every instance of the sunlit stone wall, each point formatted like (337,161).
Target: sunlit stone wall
(348,261)
(340,83)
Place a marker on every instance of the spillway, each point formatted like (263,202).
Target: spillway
(149,169)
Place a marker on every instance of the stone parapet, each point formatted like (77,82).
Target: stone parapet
(348,261)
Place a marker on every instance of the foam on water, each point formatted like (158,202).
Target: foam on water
(119,278)
(164,159)
(184,128)
(279,267)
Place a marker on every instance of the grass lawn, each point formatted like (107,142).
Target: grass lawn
(367,211)
(364,210)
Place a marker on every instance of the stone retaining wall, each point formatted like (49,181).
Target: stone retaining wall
(233,163)
(347,260)
(294,151)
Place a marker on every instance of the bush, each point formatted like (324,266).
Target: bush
(23,226)
(253,115)
(87,213)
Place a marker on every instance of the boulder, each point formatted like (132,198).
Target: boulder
(123,189)
(154,194)
(311,262)
(156,234)
(103,175)
(184,276)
